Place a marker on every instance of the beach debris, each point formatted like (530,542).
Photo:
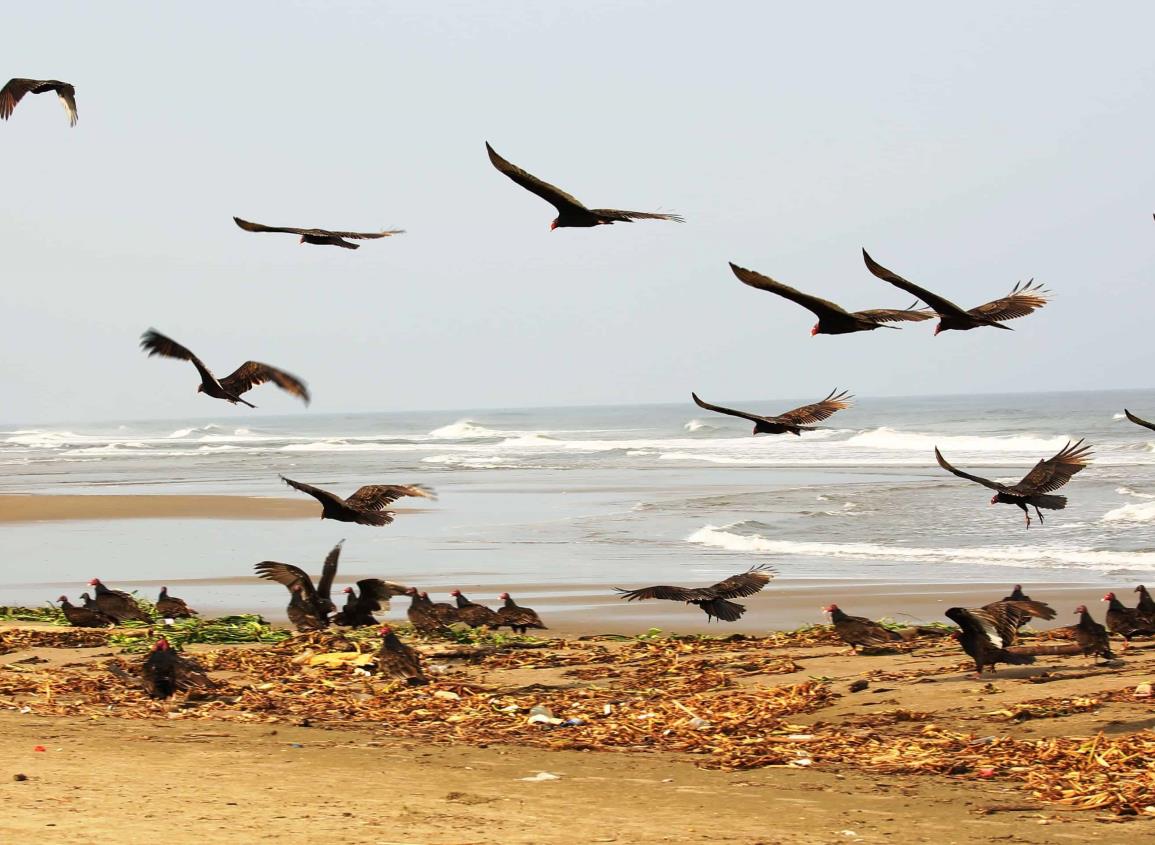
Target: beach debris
(19,777)
(1143,690)
(540,777)
(39,748)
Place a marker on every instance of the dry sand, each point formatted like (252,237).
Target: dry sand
(25,508)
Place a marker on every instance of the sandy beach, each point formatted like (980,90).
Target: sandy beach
(18,508)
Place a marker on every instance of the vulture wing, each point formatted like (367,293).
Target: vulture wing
(732,412)
(668,593)
(1020,302)
(940,304)
(896,315)
(373,497)
(253,373)
(374,593)
(985,482)
(329,572)
(820,307)
(744,584)
(556,197)
(995,626)
(12,93)
(357,236)
(67,95)
(819,410)
(322,496)
(1053,473)
(1138,421)
(260,227)
(291,576)
(626,216)
(155,343)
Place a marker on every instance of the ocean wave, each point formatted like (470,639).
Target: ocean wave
(698,425)
(1134,512)
(464,429)
(1127,491)
(912,441)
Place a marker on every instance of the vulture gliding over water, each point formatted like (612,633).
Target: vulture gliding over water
(365,506)
(309,605)
(14,91)
(712,599)
(795,421)
(570,211)
(1036,485)
(319,237)
(1139,421)
(1021,301)
(247,376)
(832,318)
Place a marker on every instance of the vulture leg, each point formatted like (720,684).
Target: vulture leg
(1026,513)
(1040,513)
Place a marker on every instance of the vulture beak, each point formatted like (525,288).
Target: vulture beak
(553,225)
(814,331)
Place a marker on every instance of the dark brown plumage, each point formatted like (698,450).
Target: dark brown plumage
(247,376)
(1146,604)
(170,607)
(365,507)
(319,237)
(165,673)
(309,606)
(15,89)
(1125,621)
(473,614)
(832,318)
(795,421)
(83,617)
(1138,421)
(445,612)
(987,633)
(371,595)
(119,605)
(1033,489)
(860,632)
(1021,301)
(397,660)
(421,614)
(570,211)
(1017,594)
(517,618)
(713,599)
(1091,636)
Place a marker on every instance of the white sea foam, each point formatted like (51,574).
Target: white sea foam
(698,425)
(1135,512)
(463,429)
(889,438)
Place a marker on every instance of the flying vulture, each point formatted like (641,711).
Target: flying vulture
(1138,420)
(320,237)
(12,93)
(309,606)
(713,599)
(795,421)
(365,506)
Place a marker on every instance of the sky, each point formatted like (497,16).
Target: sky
(966,148)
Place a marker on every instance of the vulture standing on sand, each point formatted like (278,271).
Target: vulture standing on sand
(1146,604)
(1138,420)
(713,599)
(516,617)
(858,631)
(1091,636)
(1021,301)
(365,507)
(421,614)
(373,595)
(473,614)
(1036,485)
(397,660)
(445,612)
(119,605)
(570,211)
(832,318)
(83,617)
(170,607)
(989,632)
(247,376)
(319,237)
(1125,621)
(14,91)
(794,422)
(164,672)
(309,606)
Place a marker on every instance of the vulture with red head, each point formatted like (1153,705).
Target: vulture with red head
(795,421)
(713,600)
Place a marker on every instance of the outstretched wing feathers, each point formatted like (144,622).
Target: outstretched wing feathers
(249,226)
(329,572)
(731,411)
(1138,420)
(820,307)
(1020,302)
(291,576)
(156,343)
(253,373)
(377,496)
(819,411)
(985,482)
(744,584)
(896,315)
(555,196)
(15,89)
(322,496)
(941,305)
(661,592)
(1053,473)
(626,216)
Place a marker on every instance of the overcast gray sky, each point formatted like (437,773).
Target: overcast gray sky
(965,147)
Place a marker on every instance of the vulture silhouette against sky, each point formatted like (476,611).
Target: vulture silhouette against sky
(1036,486)
(319,237)
(12,93)
(364,507)
(1021,301)
(714,600)
(570,211)
(309,605)
(795,421)
(1139,420)
(832,318)
(247,376)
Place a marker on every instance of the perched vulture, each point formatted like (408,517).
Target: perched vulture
(473,614)
(365,507)
(421,614)
(794,422)
(247,376)
(83,617)
(1091,636)
(713,599)
(1021,301)
(373,595)
(319,237)
(1125,621)
(397,660)
(832,318)
(858,631)
(1138,420)
(170,607)
(1036,485)
(570,211)
(445,612)
(517,618)
(119,605)
(989,632)
(165,672)
(12,93)
(309,606)
(1146,604)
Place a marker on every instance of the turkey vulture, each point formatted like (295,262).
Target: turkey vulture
(1125,621)
(1021,301)
(570,211)
(1139,421)
(1092,636)
(473,614)
(1046,476)
(858,631)
(309,606)
(320,237)
(119,605)
(713,599)
(12,93)
(1017,594)
(397,660)
(365,506)
(1146,604)
(84,617)
(795,421)
(165,672)
(170,607)
(247,376)
(516,617)
(374,595)
(988,632)
(422,615)
(833,319)
(445,612)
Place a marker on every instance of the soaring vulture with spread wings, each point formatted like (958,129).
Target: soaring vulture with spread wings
(1138,420)
(832,318)
(713,599)
(989,632)
(365,506)
(1033,489)
(1021,301)
(309,605)
(247,376)
(570,211)
(14,91)
(320,237)
(795,421)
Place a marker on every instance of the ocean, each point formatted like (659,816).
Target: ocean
(571,500)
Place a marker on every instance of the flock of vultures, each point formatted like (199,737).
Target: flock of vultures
(988,634)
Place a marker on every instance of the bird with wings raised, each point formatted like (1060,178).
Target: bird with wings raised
(371,595)
(1138,420)
(1036,486)
(230,388)
(570,211)
(714,600)
(319,237)
(309,605)
(832,318)
(989,633)
(1021,301)
(794,421)
(15,89)
(364,507)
